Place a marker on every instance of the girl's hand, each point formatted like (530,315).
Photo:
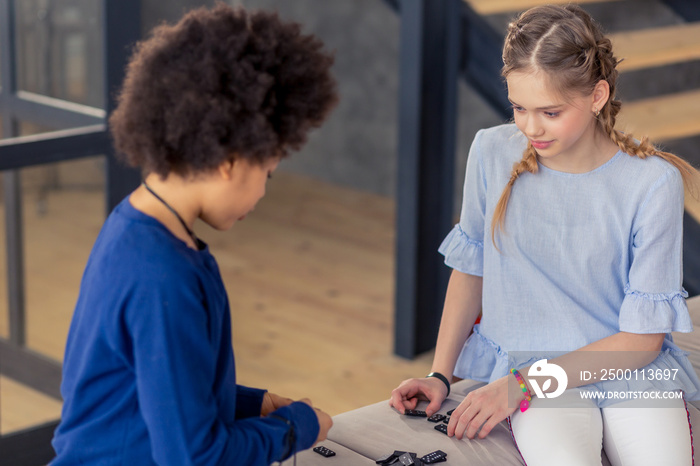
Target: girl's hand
(485,407)
(272,402)
(409,392)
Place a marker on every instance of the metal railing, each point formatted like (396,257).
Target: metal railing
(79,131)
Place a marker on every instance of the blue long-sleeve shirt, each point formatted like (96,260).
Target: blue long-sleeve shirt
(149,374)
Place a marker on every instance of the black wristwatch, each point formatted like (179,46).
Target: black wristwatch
(438,375)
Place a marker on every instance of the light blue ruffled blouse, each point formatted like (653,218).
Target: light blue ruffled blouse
(582,256)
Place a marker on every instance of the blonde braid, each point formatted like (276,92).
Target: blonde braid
(643,149)
(608,116)
(527,163)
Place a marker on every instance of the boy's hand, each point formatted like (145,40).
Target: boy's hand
(272,402)
(324,421)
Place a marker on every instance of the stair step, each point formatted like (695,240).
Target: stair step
(662,118)
(646,83)
(648,48)
(490,7)
(666,118)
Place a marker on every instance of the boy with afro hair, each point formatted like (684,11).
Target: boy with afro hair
(208,109)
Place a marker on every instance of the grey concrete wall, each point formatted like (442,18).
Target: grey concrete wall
(357,147)
(154,12)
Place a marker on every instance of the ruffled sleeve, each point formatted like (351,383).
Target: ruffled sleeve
(463,247)
(654,300)
(655,313)
(463,253)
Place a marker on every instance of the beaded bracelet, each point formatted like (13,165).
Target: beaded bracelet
(526,402)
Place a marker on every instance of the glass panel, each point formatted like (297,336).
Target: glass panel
(59,49)
(62,212)
(63,209)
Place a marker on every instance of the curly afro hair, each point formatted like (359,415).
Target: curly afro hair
(222,83)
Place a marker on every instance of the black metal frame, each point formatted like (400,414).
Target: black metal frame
(691,253)
(81,132)
(440,39)
(688,9)
(481,61)
(428,95)
(29,447)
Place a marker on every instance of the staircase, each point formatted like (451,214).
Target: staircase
(659,84)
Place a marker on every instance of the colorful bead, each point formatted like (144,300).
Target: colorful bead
(524,404)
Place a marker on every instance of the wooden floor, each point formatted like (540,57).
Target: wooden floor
(309,276)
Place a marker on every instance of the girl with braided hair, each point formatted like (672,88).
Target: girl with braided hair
(570,245)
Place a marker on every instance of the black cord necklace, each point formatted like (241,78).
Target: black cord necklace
(184,225)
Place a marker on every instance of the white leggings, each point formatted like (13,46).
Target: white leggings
(573,435)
